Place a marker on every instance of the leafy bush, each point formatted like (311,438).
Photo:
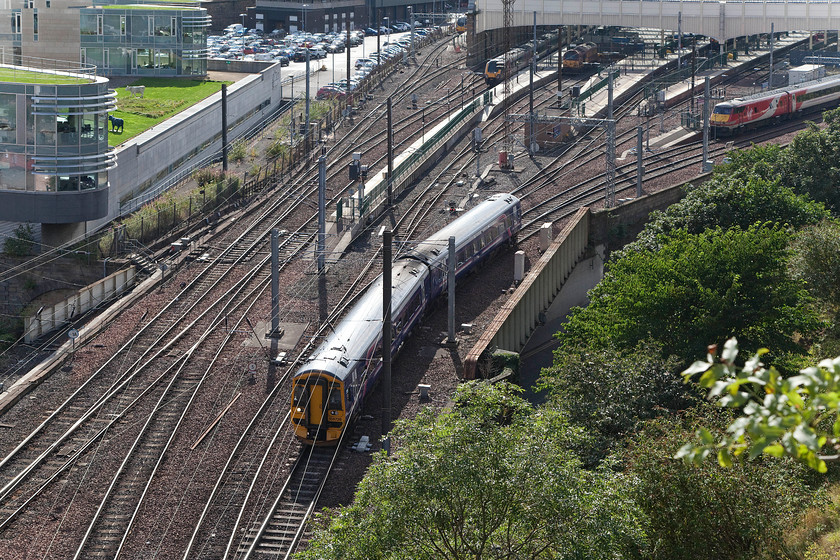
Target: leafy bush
(237,152)
(277,149)
(20,245)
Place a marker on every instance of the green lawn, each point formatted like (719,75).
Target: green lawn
(34,77)
(163,98)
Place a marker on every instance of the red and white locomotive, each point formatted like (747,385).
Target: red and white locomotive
(730,117)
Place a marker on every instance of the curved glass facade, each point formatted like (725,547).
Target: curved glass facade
(139,40)
(54,136)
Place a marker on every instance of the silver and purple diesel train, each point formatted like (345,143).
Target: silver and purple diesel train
(331,385)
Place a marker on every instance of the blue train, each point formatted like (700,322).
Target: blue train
(330,387)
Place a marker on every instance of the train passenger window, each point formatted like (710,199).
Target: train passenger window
(462,254)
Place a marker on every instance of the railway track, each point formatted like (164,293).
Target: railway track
(175,371)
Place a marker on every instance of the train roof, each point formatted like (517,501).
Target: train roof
(828,80)
(466,227)
(362,325)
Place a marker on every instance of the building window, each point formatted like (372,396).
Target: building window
(150,30)
(99,24)
(106,58)
(162,27)
(48,3)
(35,25)
(122,26)
(83,55)
(30,4)
(16,22)
(173,26)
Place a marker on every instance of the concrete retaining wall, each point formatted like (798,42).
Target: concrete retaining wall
(156,155)
(520,315)
(55,316)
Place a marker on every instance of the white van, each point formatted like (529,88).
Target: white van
(234,28)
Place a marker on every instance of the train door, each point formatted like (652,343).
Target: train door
(309,407)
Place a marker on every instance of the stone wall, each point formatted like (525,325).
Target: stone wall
(615,227)
(19,290)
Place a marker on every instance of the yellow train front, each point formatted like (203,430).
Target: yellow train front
(494,71)
(461,24)
(580,57)
(318,407)
(329,388)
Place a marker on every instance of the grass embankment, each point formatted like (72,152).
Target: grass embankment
(163,98)
(16,75)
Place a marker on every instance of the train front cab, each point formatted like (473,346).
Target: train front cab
(493,71)
(318,410)
(571,60)
(724,118)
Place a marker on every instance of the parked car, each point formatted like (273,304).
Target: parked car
(353,84)
(370,32)
(331,91)
(361,62)
(317,52)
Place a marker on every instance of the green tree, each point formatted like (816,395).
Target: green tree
(742,513)
(743,195)
(815,259)
(811,165)
(490,478)
(610,391)
(21,244)
(694,290)
(797,417)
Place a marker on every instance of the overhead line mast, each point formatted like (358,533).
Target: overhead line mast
(507,21)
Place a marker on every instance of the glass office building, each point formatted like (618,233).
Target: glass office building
(54,153)
(144,40)
(120,39)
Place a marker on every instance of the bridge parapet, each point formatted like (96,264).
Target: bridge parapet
(520,315)
(713,18)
